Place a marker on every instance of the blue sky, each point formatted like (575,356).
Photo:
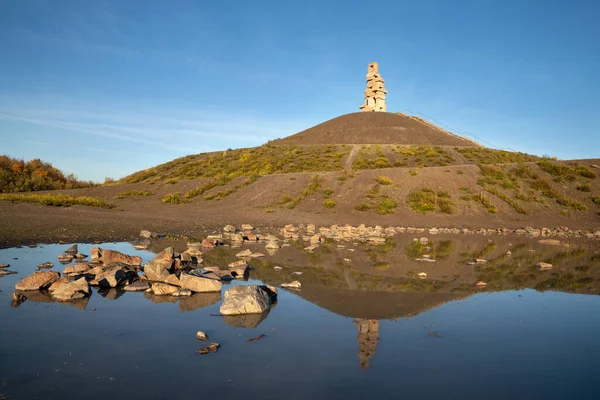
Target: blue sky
(105,88)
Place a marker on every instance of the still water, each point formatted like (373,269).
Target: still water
(362,326)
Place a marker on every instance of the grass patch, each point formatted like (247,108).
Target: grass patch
(174,198)
(384,180)
(370,157)
(566,171)
(328,191)
(314,186)
(386,205)
(596,200)
(328,203)
(171,181)
(508,200)
(269,211)
(489,156)
(427,200)
(131,193)
(363,206)
(58,200)
(485,202)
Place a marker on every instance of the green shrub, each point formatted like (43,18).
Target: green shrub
(328,203)
(363,206)
(596,200)
(173,198)
(413,172)
(386,205)
(485,202)
(58,200)
(384,180)
(269,211)
(328,191)
(171,181)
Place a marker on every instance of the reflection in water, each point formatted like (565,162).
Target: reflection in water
(198,300)
(38,296)
(111,293)
(245,320)
(369,284)
(368,336)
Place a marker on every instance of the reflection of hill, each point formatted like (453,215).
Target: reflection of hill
(374,305)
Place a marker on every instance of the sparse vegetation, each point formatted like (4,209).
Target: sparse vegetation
(363,206)
(174,198)
(269,211)
(131,193)
(485,202)
(58,200)
(584,188)
(413,172)
(481,155)
(427,200)
(422,156)
(171,181)
(314,185)
(596,200)
(371,157)
(386,205)
(328,192)
(566,171)
(17,175)
(328,203)
(508,200)
(384,180)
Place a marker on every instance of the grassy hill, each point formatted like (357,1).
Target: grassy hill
(389,169)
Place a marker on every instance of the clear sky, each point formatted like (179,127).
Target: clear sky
(107,87)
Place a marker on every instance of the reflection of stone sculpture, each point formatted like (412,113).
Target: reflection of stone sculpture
(368,336)
(375,92)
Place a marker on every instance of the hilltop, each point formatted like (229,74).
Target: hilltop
(372,168)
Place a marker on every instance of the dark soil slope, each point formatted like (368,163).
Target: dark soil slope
(376,128)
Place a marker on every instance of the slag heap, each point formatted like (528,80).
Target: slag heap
(375,92)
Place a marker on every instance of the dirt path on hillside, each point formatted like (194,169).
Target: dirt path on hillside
(351,157)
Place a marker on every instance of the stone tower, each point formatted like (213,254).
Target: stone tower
(375,92)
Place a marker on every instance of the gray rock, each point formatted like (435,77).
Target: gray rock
(245,300)
(198,284)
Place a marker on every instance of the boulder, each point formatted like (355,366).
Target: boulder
(209,244)
(80,256)
(244,253)
(292,285)
(76,269)
(57,284)
(72,290)
(38,280)
(201,336)
(72,250)
(198,284)
(137,286)
(543,266)
(172,279)
(146,234)
(115,257)
(238,264)
(245,300)
(158,268)
(65,258)
(247,227)
(111,277)
(229,228)
(272,245)
(163,289)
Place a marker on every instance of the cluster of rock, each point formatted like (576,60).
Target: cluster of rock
(375,92)
(377,234)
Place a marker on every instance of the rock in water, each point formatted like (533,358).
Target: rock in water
(72,290)
(112,277)
(245,300)
(201,336)
(47,264)
(115,257)
(158,268)
(72,250)
(38,280)
(76,269)
(4,266)
(198,284)
(4,272)
(211,348)
(163,289)
(292,285)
